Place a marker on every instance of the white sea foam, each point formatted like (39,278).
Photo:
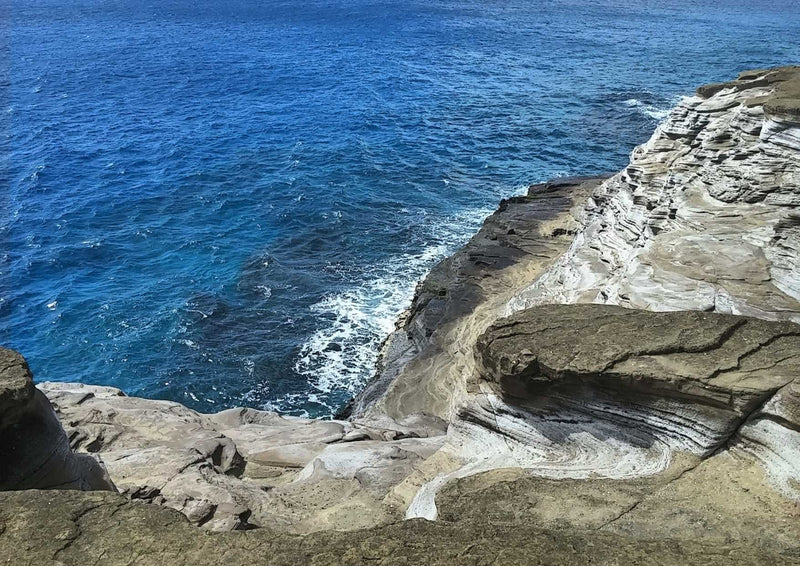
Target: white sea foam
(649,110)
(341,355)
(266,292)
(249,366)
(279,404)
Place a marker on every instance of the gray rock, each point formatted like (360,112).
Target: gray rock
(598,391)
(243,468)
(705,216)
(564,434)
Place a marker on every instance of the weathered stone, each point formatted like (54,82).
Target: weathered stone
(422,363)
(243,468)
(34,451)
(704,217)
(720,361)
(581,391)
(566,434)
(75,529)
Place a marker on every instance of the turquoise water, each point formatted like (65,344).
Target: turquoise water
(227,203)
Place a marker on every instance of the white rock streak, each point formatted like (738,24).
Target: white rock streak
(705,217)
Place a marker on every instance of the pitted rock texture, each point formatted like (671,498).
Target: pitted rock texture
(705,217)
(34,451)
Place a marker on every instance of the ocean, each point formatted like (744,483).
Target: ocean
(229,203)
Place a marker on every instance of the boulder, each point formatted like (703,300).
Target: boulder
(34,450)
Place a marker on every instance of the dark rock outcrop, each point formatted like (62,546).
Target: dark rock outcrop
(34,450)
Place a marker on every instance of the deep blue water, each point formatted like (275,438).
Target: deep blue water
(228,202)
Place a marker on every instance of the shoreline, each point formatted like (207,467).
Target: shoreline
(513,244)
(379,381)
(608,360)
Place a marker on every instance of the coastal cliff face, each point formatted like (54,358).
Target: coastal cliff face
(609,371)
(421,365)
(705,217)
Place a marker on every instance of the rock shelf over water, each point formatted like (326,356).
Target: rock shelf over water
(609,371)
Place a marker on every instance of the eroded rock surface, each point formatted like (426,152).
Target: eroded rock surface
(423,363)
(705,217)
(689,381)
(599,391)
(615,436)
(76,529)
(243,468)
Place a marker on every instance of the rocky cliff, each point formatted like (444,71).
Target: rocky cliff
(705,217)
(608,372)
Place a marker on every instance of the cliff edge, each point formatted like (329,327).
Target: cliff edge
(608,372)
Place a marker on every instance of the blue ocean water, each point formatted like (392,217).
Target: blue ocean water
(229,202)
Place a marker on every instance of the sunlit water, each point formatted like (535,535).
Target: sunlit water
(226,203)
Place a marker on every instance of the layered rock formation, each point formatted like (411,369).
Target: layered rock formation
(645,386)
(588,391)
(632,435)
(705,217)
(422,363)
(526,420)
(243,468)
